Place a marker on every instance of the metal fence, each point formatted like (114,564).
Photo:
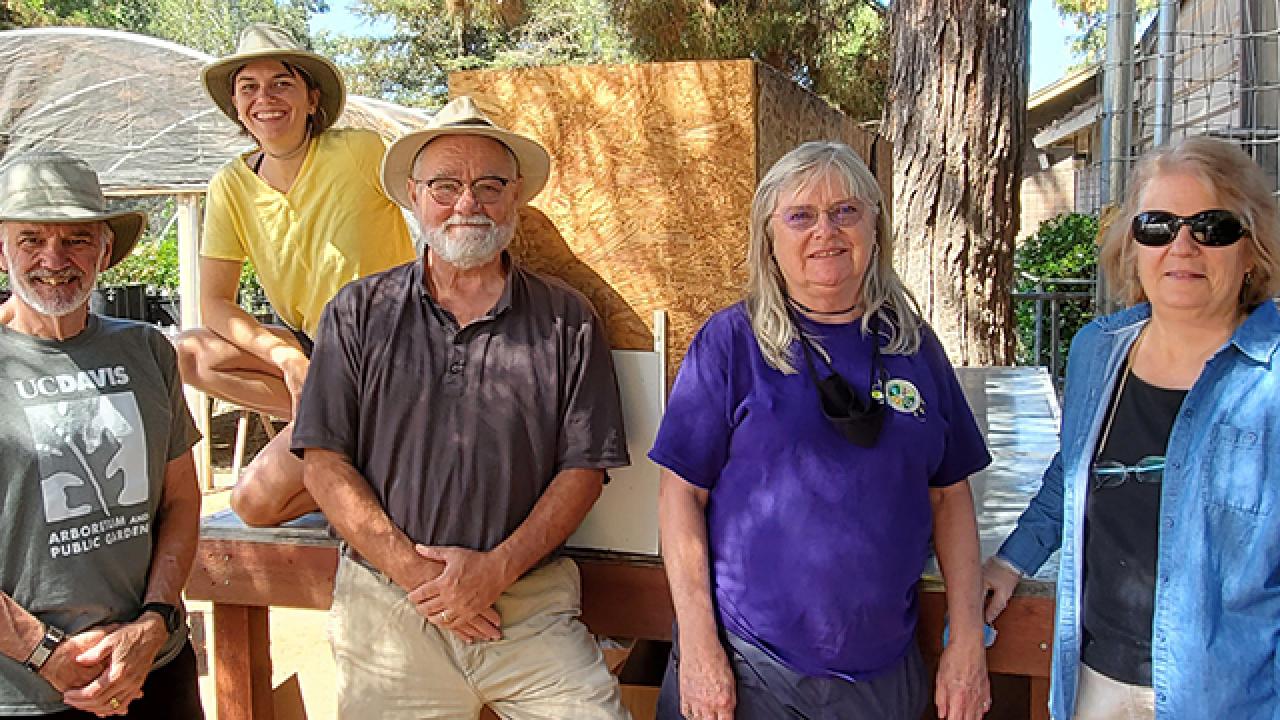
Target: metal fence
(1049,312)
(1198,67)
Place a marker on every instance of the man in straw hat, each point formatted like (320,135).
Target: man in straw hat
(457,420)
(99,510)
(306,207)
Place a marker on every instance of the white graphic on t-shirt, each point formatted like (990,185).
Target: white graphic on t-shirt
(91,453)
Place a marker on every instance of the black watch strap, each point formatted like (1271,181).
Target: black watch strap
(166,611)
(53,637)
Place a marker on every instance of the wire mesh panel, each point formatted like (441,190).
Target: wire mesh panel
(1224,74)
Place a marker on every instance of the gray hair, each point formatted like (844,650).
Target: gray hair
(885,299)
(1241,187)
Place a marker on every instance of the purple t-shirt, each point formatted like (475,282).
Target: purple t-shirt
(816,544)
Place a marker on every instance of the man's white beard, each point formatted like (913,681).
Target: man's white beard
(54,301)
(466,246)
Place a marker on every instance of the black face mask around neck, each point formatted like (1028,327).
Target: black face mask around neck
(858,419)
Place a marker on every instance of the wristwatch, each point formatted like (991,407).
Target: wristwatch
(53,637)
(166,611)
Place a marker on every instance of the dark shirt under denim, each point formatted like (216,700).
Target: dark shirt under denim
(1216,628)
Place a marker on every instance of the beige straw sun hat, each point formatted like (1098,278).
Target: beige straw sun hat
(462,117)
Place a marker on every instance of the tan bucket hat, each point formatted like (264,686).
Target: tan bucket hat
(262,41)
(53,187)
(462,117)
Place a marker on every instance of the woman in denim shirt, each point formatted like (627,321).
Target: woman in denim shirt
(1165,493)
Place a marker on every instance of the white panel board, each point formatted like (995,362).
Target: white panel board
(625,518)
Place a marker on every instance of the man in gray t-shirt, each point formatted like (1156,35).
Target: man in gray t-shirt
(99,509)
(457,420)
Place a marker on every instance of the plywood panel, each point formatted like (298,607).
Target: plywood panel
(653,167)
(652,172)
(538,245)
(789,115)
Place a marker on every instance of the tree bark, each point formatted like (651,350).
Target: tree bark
(956,115)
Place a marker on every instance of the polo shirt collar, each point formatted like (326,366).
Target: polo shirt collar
(504,300)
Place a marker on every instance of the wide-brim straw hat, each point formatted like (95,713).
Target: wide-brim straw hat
(52,187)
(262,41)
(462,117)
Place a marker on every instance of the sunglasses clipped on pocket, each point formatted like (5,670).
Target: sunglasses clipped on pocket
(1211,228)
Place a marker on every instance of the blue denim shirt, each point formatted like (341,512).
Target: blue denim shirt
(1217,607)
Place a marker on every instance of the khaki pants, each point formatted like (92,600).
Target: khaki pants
(1102,698)
(394,665)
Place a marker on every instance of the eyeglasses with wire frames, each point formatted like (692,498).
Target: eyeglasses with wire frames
(844,214)
(446,190)
(1210,228)
(1112,474)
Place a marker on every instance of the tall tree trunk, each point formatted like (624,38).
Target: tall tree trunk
(957,115)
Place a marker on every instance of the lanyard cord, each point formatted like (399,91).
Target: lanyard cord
(1115,401)
(875,376)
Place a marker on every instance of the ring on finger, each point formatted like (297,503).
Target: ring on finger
(445,616)
(114,703)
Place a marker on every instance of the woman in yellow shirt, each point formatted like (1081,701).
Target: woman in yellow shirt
(306,207)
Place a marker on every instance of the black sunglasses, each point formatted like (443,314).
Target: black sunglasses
(1211,228)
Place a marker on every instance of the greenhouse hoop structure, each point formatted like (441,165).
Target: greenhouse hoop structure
(134,108)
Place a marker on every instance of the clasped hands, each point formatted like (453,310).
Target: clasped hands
(101,670)
(461,597)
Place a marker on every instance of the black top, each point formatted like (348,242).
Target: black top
(1121,534)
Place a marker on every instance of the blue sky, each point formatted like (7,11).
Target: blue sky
(1049,36)
(1050,41)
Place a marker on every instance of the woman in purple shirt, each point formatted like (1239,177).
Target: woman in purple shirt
(815,439)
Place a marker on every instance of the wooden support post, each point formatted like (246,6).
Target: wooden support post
(189,299)
(242,438)
(242,662)
(1039,698)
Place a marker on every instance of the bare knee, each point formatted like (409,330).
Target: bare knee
(253,503)
(270,490)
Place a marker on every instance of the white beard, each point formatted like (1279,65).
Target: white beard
(467,247)
(54,301)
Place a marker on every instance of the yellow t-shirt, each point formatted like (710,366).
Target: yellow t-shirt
(333,226)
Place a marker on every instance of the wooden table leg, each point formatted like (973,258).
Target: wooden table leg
(1039,698)
(242,660)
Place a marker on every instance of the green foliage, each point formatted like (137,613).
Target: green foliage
(1090,18)
(214,25)
(836,48)
(152,262)
(90,13)
(209,25)
(431,38)
(1062,249)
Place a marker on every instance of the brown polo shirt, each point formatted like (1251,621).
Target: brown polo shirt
(460,430)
